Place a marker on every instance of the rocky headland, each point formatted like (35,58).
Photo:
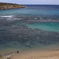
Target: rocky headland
(10,6)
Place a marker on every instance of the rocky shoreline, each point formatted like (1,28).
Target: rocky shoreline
(4,6)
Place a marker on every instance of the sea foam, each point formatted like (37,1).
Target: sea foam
(8,16)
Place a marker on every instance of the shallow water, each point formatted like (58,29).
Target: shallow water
(34,27)
(45,26)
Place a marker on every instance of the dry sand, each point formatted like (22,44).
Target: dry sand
(34,55)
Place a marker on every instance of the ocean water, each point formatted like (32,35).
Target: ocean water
(54,27)
(33,27)
(39,11)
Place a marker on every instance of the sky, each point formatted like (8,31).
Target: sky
(56,2)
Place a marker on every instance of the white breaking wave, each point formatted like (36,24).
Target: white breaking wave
(9,16)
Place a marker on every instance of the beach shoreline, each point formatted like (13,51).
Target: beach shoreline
(34,54)
(29,33)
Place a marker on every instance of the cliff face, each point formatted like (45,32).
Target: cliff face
(10,6)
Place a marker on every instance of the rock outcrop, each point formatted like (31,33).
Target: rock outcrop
(10,6)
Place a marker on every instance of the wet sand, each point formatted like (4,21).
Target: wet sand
(51,54)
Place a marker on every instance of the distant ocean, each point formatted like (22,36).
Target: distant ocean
(33,27)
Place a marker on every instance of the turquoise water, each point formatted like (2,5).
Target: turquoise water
(45,26)
(37,11)
(21,29)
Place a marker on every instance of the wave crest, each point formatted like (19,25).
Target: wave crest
(8,16)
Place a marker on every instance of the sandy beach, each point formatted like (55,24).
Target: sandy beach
(34,55)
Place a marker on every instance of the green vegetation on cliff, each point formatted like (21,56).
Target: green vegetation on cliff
(10,6)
